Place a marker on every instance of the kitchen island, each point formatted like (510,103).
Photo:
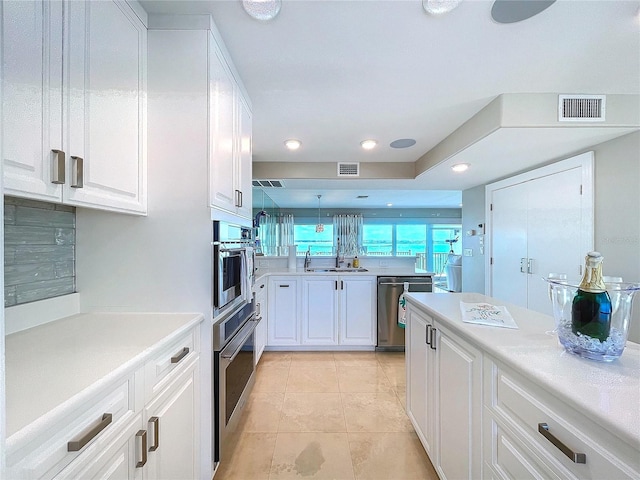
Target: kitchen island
(503,403)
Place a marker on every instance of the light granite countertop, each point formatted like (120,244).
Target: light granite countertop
(371,272)
(607,393)
(52,364)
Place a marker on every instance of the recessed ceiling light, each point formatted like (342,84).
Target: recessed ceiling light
(439,7)
(403,143)
(292,144)
(389,204)
(368,144)
(460,167)
(262,9)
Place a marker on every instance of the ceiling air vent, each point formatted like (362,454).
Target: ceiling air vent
(581,108)
(348,169)
(268,183)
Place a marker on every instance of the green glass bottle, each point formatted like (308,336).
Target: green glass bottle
(591,308)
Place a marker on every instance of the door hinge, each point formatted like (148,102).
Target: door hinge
(491,261)
(491,207)
(580,189)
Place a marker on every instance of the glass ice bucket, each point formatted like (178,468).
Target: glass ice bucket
(562,293)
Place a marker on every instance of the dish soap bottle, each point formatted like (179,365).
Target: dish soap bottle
(591,308)
(356,262)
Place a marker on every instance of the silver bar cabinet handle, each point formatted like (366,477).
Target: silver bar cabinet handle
(427,335)
(543,428)
(75,445)
(77,172)
(142,435)
(57,166)
(432,339)
(179,356)
(156,433)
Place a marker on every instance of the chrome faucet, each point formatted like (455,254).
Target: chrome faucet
(307,259)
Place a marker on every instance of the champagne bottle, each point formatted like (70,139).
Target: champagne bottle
(591,308)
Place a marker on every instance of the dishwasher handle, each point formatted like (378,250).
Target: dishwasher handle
(402,283)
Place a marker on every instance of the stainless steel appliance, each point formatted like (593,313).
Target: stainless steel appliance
(232,266)
(233,370)
(390,335)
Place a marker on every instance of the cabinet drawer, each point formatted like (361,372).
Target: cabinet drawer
(80,433)
(159,370)
(557,432)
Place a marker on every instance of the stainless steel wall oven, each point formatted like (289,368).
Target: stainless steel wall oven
(233,368)
(233,265)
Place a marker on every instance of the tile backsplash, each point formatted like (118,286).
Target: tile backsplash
(39,250)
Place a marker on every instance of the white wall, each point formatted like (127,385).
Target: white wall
(161,262)
(473,214)
(617,212)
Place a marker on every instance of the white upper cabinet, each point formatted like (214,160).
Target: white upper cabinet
(74,104)
(230,142)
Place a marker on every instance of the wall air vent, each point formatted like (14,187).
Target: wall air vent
(268,183)
(581,108)
(348,169)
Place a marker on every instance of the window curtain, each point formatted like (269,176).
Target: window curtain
(276,234)
(347,232)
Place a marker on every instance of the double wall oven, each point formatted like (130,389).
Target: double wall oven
(234,324)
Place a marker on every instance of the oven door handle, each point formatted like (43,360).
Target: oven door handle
(235,345)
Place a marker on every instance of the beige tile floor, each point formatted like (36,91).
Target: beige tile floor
(328,415)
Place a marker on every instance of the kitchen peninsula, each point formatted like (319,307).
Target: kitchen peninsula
(492,402)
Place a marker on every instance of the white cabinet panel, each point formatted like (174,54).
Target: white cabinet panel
(358,310)
(284,317)
(31,96)
(77,88)
(105,111)
(262,311)
(244,161)
(320,310)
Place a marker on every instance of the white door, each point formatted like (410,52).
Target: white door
(222,190)
(459,407)
(244,161)
(541,222)
(31,98)
(282,303)
(357,310)
(172,452)
(419,359)
(554,224)
(320,310)
(104,107)
(509,244)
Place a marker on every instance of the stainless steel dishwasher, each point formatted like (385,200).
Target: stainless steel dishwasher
(390,335)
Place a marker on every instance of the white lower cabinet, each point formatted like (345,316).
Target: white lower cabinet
(444,396)
(144,426)
(321,310)
(283,306)
(530,433)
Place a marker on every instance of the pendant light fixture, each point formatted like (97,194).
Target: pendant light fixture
(319,226)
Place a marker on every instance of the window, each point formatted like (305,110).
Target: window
(377,239)
(411,240)
(306,238)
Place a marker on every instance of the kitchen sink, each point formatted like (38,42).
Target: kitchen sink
(337,270)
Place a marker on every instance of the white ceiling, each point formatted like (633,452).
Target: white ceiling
(332,73)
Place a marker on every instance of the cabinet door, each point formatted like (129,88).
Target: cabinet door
(284,325)
(320,310)
(262,311)
(357,310)
(222,189)
(420,382)
(105,106)
(244,159)
(459,407)
(171,429)
(31,97)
